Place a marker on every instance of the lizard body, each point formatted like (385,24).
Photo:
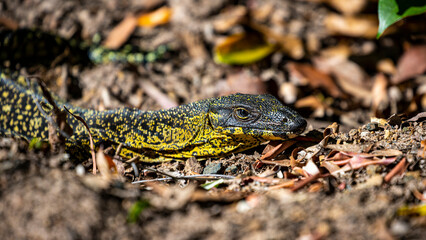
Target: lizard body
(205,129)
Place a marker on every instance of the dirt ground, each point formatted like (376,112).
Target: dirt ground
(365,179)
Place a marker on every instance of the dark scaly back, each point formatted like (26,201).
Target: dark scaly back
(143,133)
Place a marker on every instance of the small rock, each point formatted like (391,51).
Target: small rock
(231,169)
(212,168)
(372,126)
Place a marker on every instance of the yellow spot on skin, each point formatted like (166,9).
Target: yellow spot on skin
(20,117)
(6,108)
(5,94)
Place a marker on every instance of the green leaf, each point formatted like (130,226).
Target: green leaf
(391,11)
(136,209)
(210,185)
(242,49)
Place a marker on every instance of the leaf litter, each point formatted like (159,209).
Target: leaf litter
(325,185)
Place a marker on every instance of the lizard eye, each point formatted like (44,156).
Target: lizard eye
(242,113)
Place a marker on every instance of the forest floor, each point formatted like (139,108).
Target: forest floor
(363,178)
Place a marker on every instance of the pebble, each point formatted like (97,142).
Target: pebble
(212,168)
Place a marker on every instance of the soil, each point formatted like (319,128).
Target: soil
(48,196)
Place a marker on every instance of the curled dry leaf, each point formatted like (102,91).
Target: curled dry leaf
(304,73)
(106,165)
(277,150)
(242,48)
(311,168)
(331,129)
(360,26)
(411,64)
(155,18)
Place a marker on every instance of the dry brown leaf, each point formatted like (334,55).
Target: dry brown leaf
(386,66)
(386,153)
(330,166)
(347,7)
(155,18)
(194,44)
(358,148)
(291,45)
(230,18)
(307,73)
(243,82)
(121,33)
(298,185)
(349,75)
(192,166)
(331,129)
(337,53)
(262,11)
(277,150)
(312,102)
(411,64)
(360,26)
(380,99)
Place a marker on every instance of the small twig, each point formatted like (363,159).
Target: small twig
(92,145)
(398,169)
(201,177)
(135,169)
(118,151)
(161,172)
(133,159)
(298,185)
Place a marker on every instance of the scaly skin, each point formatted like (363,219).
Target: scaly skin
(205,129)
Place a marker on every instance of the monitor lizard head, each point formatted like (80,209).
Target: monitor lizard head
(259,116)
